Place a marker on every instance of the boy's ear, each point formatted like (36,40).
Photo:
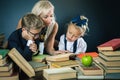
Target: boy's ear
(23,29)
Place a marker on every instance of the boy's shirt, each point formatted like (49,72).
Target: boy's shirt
(16,40)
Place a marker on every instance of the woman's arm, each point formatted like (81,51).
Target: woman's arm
(49,44)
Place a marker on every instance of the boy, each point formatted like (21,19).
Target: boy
(26,39)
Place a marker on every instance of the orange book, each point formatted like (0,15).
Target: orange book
(93,54)
(110,45)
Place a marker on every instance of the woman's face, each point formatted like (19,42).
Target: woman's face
(72,33)
(48,17)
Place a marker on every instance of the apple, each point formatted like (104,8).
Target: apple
(87,60)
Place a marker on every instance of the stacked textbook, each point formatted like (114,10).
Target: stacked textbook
(109,56)
(6,67)
(30,68)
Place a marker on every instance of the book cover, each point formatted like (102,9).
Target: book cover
(6,73)
(110,58)
(3,61)
(92,70)
(21,62)
(80,75)
(108,63)
(110,69)
(6,67)
(13,76)
(59,73)
(93,54)
(110,53)
(68,63)
(110,45)
(38,66)
(3,53)
(39,58)
(59,57)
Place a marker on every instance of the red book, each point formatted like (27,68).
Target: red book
(93,54)
(110,45)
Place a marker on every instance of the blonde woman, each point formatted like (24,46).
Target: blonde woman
(72,41)
(45,10)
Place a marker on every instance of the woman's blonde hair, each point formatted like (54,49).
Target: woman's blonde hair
(43,7)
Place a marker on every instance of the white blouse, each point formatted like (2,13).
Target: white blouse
(81,45)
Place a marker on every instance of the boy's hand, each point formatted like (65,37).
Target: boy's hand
(33,47)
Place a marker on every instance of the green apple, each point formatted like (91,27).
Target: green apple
(87,60)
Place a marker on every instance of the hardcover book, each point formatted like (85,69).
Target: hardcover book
(110,53)
(59,57)
(110,69)
(59,73)
(68,63)
(39,58)
(93,54)
(21,62)
(6,67)
(110,58)
(110,45)
(81,76)
(3,61)
(38,66)
(108,63)
(92,70)
(13,76)
(6,73)
(3,53)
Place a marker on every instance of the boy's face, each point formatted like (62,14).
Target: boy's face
(31,34)
(73,33)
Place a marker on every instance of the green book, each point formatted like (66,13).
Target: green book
(39,58)
(3,53)
(38,66)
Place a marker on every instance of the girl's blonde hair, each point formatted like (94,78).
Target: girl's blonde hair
(43,7)
(80,22)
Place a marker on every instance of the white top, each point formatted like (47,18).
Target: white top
(81,45)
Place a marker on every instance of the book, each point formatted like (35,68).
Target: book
(93,54)
(3,53)
(38,66)
(13,76)
(39,58)
(110,53)
(59,73)
(110,58)
(110,69)
(3,61)
(112,76)
(6,73)
(108,63)
(6,67)
(59,57)
(21,62)
(110,45)
(80,75)
(68,63)
(91,70)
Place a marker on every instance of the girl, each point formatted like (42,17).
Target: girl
(73,41)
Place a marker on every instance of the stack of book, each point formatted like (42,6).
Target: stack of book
(62,60)
(109,56)
(2,37)
(6,66)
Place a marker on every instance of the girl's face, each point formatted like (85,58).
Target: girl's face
(48,17)
(73,33)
